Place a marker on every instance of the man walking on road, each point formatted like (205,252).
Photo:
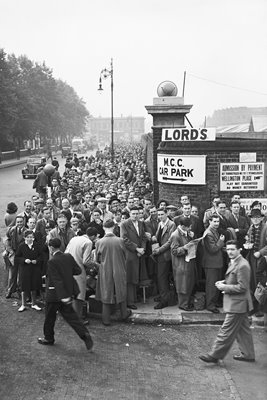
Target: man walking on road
(60,290)
(237,303)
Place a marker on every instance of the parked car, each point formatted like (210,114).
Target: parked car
(32,165)
(65,151)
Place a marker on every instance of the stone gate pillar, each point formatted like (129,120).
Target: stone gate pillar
(168,111)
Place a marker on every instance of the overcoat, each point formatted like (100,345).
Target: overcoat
(183,271)
(253,262)
(132,240)
(29,274)
(111,283)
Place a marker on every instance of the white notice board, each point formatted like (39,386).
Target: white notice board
(242,176)
(182,169)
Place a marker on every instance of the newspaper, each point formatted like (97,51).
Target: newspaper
(191,248)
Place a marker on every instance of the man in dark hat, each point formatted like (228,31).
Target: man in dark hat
(114,204)
(257,240)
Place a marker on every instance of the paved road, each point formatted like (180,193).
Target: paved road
(129,361)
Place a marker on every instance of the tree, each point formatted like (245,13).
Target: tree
(32,100)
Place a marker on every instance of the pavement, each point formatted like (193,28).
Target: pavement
(145,314)
(14,162)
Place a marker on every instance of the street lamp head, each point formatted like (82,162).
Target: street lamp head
(100,84)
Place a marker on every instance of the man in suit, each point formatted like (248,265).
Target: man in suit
(237,303)
(28,212)
(213,243)
(238,223)
(133,233)
(14,238)
(163,253)
(196,225)
(43,222)
(60,290)
(62,232)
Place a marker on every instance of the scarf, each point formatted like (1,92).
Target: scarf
(255,236)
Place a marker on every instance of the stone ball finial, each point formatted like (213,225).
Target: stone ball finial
(167,88)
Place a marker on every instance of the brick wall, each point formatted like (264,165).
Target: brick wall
(219,151)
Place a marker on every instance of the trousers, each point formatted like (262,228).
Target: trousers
(212,293)
(235,326)
(106,311)
(70,316)
(163,271)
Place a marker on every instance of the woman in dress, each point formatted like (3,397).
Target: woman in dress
(28,256)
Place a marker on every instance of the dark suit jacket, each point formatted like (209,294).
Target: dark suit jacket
(151,226)
(132,240)
(59,281)
(164,250)
(212,249)
(40,227)
(196,224)
(240,224)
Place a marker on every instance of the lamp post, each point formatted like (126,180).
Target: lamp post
(105,73)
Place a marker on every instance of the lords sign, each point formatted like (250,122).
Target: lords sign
(188,134)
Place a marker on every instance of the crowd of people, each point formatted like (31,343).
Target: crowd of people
(101,212)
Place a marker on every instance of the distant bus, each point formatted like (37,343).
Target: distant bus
(78,145)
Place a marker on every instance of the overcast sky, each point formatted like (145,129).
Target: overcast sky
(150,41)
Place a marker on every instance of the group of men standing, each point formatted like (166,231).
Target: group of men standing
(129,240)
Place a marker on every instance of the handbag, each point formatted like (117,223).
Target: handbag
(260,294)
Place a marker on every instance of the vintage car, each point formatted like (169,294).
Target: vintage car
(32,165)
(65,151)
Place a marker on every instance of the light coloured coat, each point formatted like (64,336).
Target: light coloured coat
(237,297)
(183,271)
(80,248)
(111,282)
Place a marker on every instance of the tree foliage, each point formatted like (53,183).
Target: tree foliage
(32,101)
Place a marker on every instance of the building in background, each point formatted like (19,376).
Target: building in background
(239,119)
(128,129)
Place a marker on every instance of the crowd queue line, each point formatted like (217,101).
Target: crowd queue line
(103,216)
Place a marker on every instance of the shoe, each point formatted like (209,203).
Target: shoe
(88,341)
(259,314)
(214,310)
(132,306)
(21,309)
(159,306)
(157,299)
(106,323)
(45,341)
(37,308)
(240,357)
(187,308)
(8,295)
(208,359)
(129,313)
(85,322)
